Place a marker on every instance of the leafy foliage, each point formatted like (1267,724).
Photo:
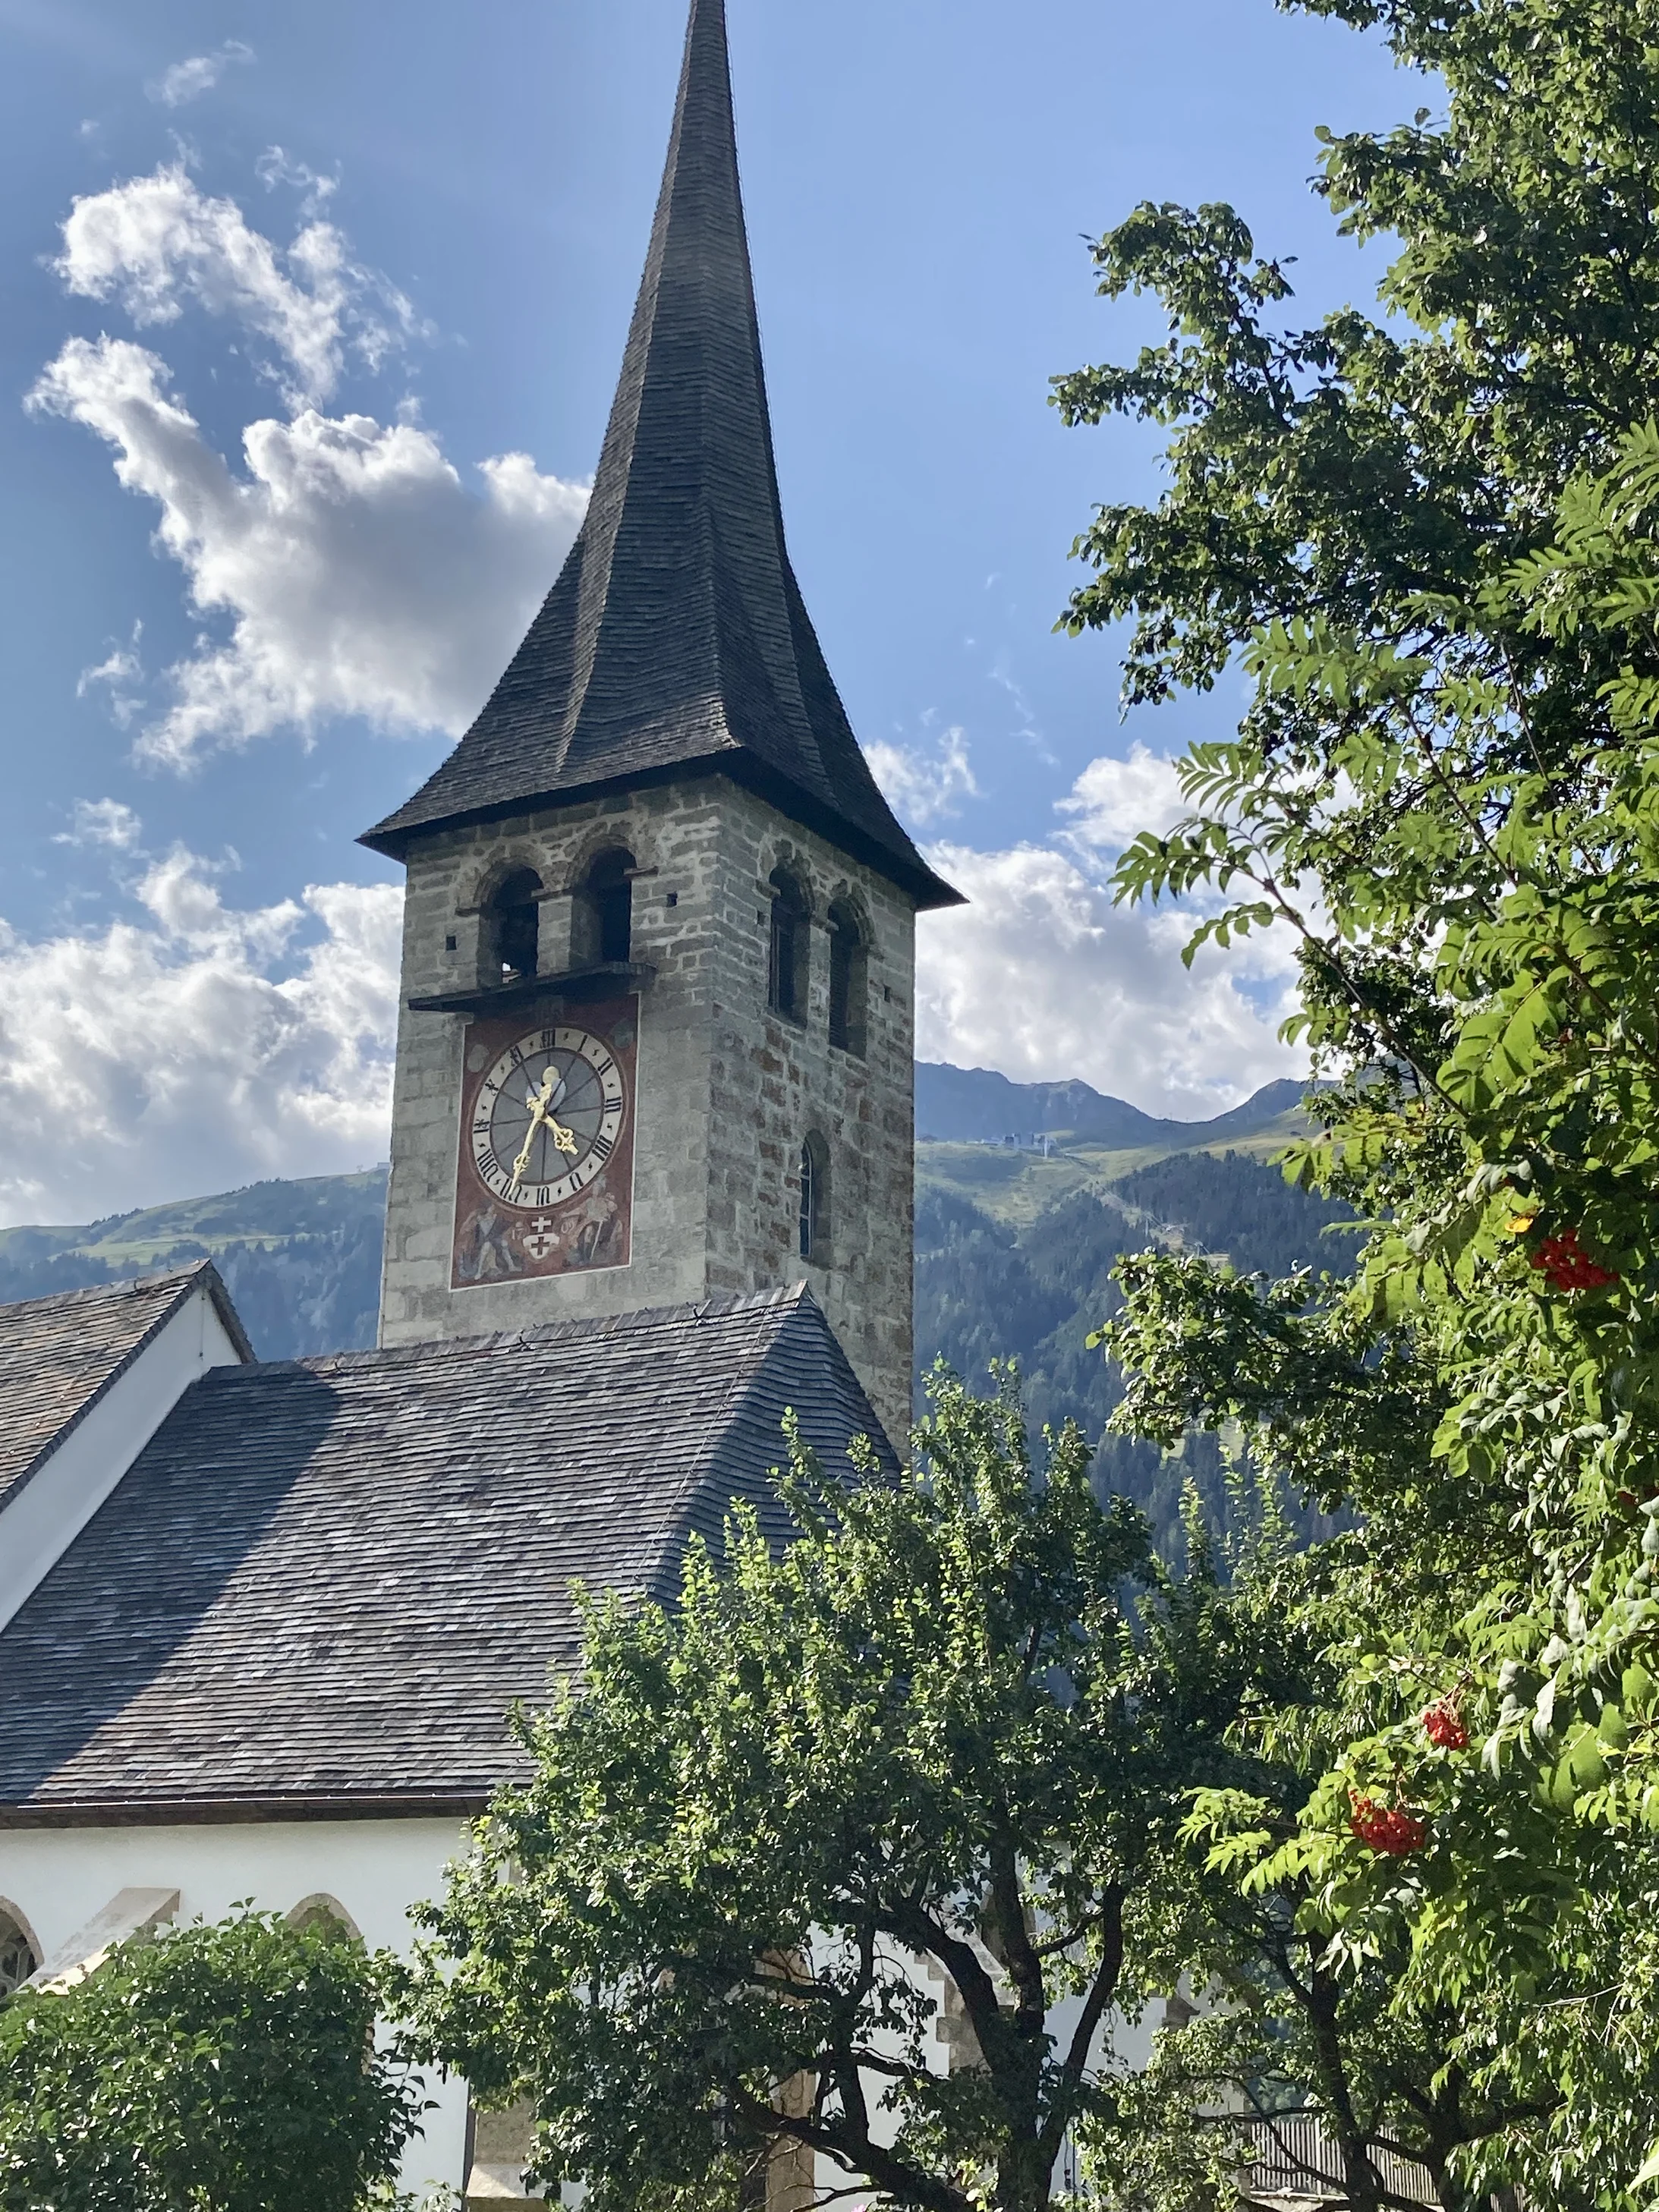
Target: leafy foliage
(1431,540)
(223,2068)
(917,1768)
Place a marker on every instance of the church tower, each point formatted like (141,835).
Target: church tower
(656,1034)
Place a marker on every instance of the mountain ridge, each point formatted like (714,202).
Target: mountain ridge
(978,1105)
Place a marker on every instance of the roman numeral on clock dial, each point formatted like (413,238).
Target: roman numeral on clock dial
(550,1114)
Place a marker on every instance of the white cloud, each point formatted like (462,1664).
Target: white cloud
(195,1048)
(188,80)
(103,822)
(274,167)
(121,669)
(1042,977)
(156,243)
(359,573)
(1114,800)
(924,787)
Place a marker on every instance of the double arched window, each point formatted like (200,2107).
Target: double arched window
(513,928)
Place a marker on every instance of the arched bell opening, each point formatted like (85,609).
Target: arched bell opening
(605,910)
(849,981)
(513,928)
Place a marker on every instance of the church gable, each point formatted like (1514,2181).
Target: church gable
(59,1355)
(86,1378)
(323,1584)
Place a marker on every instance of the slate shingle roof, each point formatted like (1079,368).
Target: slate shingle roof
(322,1584)
(675,640)
(59,1355)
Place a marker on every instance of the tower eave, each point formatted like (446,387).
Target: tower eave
(396,840)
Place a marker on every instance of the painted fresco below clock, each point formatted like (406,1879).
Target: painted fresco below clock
(544,1184)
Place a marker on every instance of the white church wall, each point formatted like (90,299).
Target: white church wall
(59,1879)
(44,1518)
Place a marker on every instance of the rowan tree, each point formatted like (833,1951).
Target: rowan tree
(1429,537)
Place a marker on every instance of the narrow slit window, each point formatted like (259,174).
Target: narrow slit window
(787,961)
(849,981)
(812,1241)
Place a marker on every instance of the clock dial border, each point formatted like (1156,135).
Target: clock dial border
(578,1223)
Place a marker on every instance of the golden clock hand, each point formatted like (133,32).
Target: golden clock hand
(538,1111)
(541,1115)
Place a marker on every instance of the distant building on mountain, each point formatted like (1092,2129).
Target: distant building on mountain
(651,1185)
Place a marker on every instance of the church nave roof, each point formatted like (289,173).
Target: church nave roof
(322,1584)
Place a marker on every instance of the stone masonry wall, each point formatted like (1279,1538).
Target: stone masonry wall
(675,832)
(774,1081)
(727,1091)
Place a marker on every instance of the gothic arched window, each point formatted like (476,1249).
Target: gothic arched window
(814,1242)
(324,1916)
(17,1959)
(607,908)
(513,928)
(849,981)
(790,950)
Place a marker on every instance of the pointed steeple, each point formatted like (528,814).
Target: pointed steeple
(676,640)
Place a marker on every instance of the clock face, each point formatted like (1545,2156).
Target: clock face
(547,1118)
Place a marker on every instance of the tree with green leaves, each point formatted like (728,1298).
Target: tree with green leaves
(1485,2094)
(231,2068)
(912,1771)
(1429,537)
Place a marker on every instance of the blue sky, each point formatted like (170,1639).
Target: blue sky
(394,250)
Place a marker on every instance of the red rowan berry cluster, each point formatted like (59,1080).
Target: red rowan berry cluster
(1387,1828)
(1567,1266)
(1444,1725)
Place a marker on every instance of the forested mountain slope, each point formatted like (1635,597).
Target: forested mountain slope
(996,1279)
(301,1260)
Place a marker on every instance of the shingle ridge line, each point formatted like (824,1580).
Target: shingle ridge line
(129,1286)
(691,1314)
